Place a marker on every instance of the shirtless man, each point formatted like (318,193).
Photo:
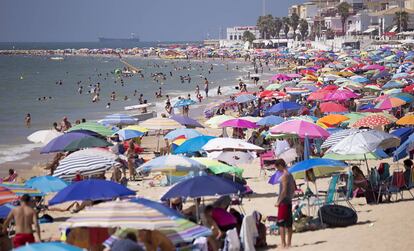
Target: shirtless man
(24,217)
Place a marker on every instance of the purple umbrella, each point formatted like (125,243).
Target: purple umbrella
(238,123)
(58,144)
(186,121)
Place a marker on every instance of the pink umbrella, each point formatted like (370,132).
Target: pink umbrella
(294,75)
(340,95)
(373,67)
(301,128)
(279,77)
(332,107)
(238,123)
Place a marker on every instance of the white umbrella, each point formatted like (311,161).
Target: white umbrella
(43,136)
(95,152)
(220,144)
(234,158)
(363,142)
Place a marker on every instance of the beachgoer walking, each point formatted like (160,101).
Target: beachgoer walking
(28,120)
(206,85)
(131,160)
(284,203)
(24,217)
(219,90)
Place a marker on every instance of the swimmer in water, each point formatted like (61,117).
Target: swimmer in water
(28,120)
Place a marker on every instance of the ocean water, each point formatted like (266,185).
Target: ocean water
(24,79)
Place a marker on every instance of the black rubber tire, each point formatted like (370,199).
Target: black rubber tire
(338,216)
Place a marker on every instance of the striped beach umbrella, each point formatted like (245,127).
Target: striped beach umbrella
(6,195)
(94,127)
(122,214)
(137,128)
(171,163)
(20,189)
(160,124)
(118,119)
(85,164)
(334,138)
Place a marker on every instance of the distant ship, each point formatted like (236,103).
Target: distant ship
(133,38)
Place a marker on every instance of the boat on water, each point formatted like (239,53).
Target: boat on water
(134,38)
(57,58)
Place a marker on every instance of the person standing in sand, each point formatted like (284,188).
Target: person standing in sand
(206,83)
(24,217)
(284,203)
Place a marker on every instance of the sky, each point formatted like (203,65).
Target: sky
(152,20)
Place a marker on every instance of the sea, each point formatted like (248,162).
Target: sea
(26,79)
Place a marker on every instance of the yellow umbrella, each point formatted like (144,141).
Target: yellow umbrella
(406,120)
(333,119)
(137,128)
(346,73)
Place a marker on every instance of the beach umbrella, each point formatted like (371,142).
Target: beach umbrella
(5,209)
(217,167)
(307,118)
(160,124)
(363,142)
(118,119)
(333,119)
(215,121)
(381,74)
(340,95)
(409,88)
(184,102)
(400,75)
(270,120)
(327,107)
(372,121)
(393,91)
(238,123)
(389,103)
(274,87)
(200,186)
(300,128)
(374,88)
(376,155)
(83,163)
(136,128)
(94,127)
(41,246)
(125,134)
(245,98)
(46,184)
(193,145)
(221,144)
(171,163)
(183,132)
(404,96)
(91,189)
(86,142)
(43,136)
(186,121)
(95,152)
(392,84)
(359,79)
(280,76)
(59,143)
(283,106)
(120,214)
(373,67)
(234,158)
(185,232)
(20,189)
(334,138)
(6,195)
(406,120)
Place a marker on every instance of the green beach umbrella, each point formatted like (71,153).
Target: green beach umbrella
(217,167)
(273,87)
(94,127)
(87,142)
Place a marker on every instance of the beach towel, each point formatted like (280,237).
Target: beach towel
(232,241)
(249,233)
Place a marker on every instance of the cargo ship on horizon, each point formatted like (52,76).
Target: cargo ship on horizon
(133,38)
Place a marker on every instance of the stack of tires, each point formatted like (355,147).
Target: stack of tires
(338,216)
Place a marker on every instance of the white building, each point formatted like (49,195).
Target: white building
(236,33)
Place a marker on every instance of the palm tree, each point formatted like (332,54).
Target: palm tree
(401,19)
(286,25)
(294,23)
(343,10)
(303,29)
(277,22)
(265,24)
(248,36)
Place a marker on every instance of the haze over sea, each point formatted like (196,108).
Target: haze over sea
(24,79)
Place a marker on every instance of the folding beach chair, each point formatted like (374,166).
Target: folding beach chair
(269,155)
(397,184)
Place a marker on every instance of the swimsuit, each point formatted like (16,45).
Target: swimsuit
(21,239)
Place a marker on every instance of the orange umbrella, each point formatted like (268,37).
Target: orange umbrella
(333,119)
(406,120)
(6,195)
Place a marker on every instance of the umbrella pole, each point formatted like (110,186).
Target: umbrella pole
(197,210)
(158,140)
(366,162)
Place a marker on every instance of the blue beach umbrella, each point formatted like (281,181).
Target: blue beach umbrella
(245,98)
(184,102)
(91,189)
(186,132)
(171,163)
(125,134)
(5,210)
(359,79)
(200,186)
(270,120)
(118,119)
(47,184)
(393,84)
(404,96)
(283,107)
(193,145)
(55,246)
